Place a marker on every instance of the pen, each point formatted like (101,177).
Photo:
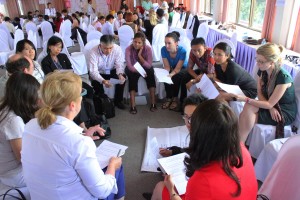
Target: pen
(119,153)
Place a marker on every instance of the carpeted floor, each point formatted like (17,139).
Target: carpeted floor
(131,130)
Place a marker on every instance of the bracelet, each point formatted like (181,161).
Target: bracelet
(192,81)
(172,195)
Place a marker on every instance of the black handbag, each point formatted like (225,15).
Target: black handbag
(6,194)
(101,119)
(104,105)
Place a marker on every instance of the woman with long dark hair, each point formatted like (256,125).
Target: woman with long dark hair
(218,164)
(17,107)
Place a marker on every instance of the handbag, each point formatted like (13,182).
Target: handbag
(101,119)
(104,105)
(6,194)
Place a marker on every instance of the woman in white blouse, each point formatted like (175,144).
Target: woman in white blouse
(58,161)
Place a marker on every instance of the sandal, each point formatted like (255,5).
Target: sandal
(153,107)
(167,104)
(174,105)
(133,110)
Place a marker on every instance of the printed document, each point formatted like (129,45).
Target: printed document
(108,149)
(175,167)
(162,75)
(207,87)
(234,89)
(140,69)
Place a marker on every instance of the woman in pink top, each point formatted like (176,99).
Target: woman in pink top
(218,165)
(140,52)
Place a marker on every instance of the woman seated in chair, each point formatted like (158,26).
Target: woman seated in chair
(26,48)
(66,160)
(55,60)
(17,107)
(129,22)
(174,60)
(276,103)
(229,72)
(215,154)
(139,52)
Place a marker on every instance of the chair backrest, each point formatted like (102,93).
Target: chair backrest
(4,43)
(90,28)
(234,39)
(86,50)
(66,28)
(43,53)
(127,35)
(181,31)
(158,40)
(229,42)
(94,35)
(19,35)
(65,49)
(189,22)
(80,41)
(30,26)
(176,21)
(297,96)
(84,27)
(32,37)
(47,30)
(203,30)
(186,44)
(182,20)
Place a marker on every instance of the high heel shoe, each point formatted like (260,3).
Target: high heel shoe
(153,107)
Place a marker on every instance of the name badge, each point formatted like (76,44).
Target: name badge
(107,71)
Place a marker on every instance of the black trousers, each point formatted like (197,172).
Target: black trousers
(119,89)
(133,78)
(185,79)
(172,90)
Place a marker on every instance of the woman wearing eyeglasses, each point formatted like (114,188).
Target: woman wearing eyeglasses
(276,103)
(229,72)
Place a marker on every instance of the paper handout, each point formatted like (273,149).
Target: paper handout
(108,149)
(233,89)
(207,87)
(162,75)
(140,69)
(174,166)
(114,81)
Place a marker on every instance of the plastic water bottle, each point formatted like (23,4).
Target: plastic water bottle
(263,41)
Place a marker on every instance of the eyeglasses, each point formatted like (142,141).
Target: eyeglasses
(187,119)
(261,62)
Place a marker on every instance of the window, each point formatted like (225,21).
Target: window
(249,13)
(208,7)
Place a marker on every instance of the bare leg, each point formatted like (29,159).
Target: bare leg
(152,95)
(157,192)
(132,98)
(248,118)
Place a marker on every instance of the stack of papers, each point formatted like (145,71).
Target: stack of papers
(140,69)
(233,89)
(174,166)
(108,149)
(162,76)
(207,87)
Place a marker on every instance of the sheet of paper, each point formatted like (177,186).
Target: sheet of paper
(234,89)
(108,149)
(175,167)
(162,75)
(114,81)
(140,69)
(162,138)
(207,87)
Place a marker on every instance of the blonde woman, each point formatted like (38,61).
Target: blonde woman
(149,24)
(65,165)
(276,103)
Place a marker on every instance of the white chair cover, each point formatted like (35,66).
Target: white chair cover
(32,37)
(186,44)
(84,27)
(24,190)
(91,28)
(80,41)
(189,22)
(237,107)
(66,33)
(203,30)
(19,35)
(21,21)
(31,26)
(230,43)
(158,41)
(43,54)
(176,23)
(126,34)
(182,21)
(47,31)
(181,31)
(92,35)
(4,43)
(261,135)
(233,39)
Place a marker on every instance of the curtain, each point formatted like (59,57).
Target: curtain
(269,20)
(29,5)
(12,8)
(225,10)
(58,5)
(296,39)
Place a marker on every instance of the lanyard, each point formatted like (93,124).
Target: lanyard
(105,60)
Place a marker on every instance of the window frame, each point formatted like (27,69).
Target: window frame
(210,8)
